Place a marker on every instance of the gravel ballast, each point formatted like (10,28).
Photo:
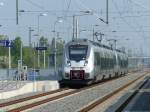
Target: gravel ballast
(76,101)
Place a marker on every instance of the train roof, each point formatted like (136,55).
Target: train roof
(94,43)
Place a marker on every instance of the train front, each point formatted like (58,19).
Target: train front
(77,63)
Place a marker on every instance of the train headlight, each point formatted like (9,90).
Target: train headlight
(68,63)
(85,63)
(67,75)
(87,75)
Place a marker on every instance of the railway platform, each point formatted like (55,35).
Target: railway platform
(14,88)
(140,103)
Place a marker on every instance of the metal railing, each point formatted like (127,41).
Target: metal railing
(13,81)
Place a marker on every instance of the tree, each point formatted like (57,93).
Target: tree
(2,37)
(43,41)
(3,49)
(59,48)
(16,50)
(27,59)
(3,53)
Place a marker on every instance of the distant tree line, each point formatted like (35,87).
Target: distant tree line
(30,54)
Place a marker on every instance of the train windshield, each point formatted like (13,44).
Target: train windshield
(78,52)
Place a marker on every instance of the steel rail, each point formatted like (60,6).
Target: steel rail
(7,103)
(28,98)
(106,97)
(31,105)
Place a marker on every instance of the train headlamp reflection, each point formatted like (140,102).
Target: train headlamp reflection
(67,75)
(68,63)
(85,63)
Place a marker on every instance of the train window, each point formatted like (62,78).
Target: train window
(96,58)
(110,61)
(78,52)
(105,61)
(119,61)
(102,61)
(100,55)
(114,58)
(95,61)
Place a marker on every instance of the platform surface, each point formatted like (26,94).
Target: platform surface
(141,102)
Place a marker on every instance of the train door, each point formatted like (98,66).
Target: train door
(95,63)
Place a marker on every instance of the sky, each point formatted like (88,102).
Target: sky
(128,20)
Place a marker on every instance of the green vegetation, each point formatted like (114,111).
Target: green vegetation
(3,54)
(15,51)
(30,54)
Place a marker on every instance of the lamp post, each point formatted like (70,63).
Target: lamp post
(21,54)
(75,23)
(82,31)
(94,31)
(30,43)
(121,43)
(113,45)
(113,40)
(107,11)
(116,42)
(38,30)
(17,14)
(41,14)
(9,53)
(59,20)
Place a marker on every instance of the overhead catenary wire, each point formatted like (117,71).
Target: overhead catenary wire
(7,19)
(133,16)
(35,4)
(89,9)
(141,28)
(133,28)
(137,23)
(139,5)
(68,6)
(94,13)
(124,20)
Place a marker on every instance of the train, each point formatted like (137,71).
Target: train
(86,62)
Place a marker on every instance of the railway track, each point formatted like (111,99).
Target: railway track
(32,101)
(19,104)
(39,99)
(98,102)
(129,99)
